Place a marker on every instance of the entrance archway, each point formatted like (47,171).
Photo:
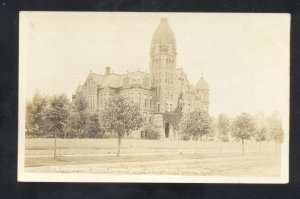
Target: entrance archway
(167,130)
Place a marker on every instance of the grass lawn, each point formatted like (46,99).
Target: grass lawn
(76,160)
(251,164)
(152,157)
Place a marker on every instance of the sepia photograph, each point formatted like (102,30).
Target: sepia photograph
(154,97)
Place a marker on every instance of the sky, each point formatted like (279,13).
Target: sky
(244,57)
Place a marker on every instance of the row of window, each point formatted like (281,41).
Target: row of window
(144,82)
(91,102)
(169,48)
(143,100)
(89,84)
(168,107)
(146,102)
(170,64)
(147,117)
(169,78)
(156,63)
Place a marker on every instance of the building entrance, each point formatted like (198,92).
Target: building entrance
(167,130)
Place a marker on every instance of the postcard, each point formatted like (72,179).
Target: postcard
(154,97)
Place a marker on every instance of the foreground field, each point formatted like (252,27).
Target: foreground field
(44,147)
(152,157)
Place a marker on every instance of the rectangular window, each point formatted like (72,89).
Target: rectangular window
(158,108)
(145,100)
(159,91)
(139,96)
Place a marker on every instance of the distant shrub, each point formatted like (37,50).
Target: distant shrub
(151,133)
(185,138)
(106,136)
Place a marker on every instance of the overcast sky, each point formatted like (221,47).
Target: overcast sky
(245,57)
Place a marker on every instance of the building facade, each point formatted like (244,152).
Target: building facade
(155,92)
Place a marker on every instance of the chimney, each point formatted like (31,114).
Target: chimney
(107,70)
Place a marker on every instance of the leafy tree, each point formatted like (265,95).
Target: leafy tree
(243,127)
(56,116)
(196,123)
(93,126)
(73,123)
(80,111)
(120,116)
(276,131)
(213,129)
(260,136)
(223,126)
(35,110)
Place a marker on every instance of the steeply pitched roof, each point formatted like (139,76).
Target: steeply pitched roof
(111,80)
(116,80)
(163,35)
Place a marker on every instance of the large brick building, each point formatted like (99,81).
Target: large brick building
(155,92)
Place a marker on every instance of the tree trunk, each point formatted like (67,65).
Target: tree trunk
(196,141)
(119,144)
(243,149)
(65,134)
(259,146)
(174,134)
(54,145)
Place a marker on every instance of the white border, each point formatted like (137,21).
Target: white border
(67,177)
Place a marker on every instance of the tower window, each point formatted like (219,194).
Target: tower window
(159,91)
(145,99)
(150,103)
(139,96)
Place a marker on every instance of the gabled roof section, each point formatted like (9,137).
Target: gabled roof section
(79,88)
(96,77)
(116,80)
(111,80)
